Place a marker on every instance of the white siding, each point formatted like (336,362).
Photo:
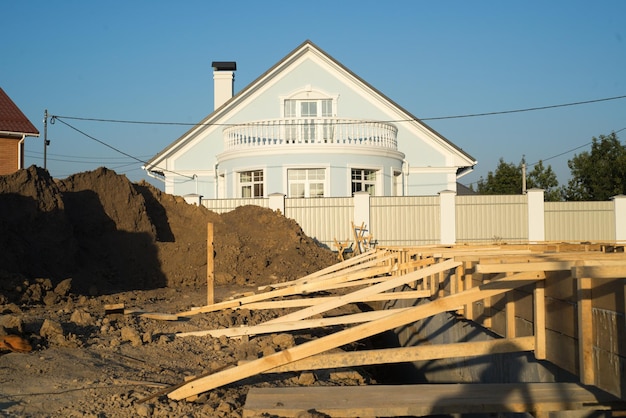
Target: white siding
(580,221)
(483,218)
(324,219)
(407,221)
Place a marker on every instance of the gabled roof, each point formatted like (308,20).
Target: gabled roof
(250,88)
(12,119)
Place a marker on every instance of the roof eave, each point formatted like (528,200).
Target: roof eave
(18,134)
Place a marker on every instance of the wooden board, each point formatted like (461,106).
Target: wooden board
(267,328)
(425,399)
(356,333)
(303,302)
(408,354)
(388,284)
(304,287)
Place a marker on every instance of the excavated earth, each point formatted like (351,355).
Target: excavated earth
(69,247)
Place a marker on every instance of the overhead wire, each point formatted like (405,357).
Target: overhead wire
(469,115)
(60,119)
(114,148)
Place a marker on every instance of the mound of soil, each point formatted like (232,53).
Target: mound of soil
(110,235)
(70,247)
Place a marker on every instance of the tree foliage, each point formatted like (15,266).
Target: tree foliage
(544,178)
(600,173)
(507,179)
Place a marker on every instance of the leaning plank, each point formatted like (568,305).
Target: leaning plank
(151,315)
(372,290)
(408,354)
(292,325)
(342,266)
(425,399)
(358,332)
(292,290)
(302,302)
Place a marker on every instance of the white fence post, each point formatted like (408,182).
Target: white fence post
(362,210)
(536,215)
(193,199)
(277,202)
(447,215)
(619,203)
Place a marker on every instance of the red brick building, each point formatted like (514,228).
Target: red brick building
(14,127)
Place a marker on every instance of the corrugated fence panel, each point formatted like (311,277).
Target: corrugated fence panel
(226,205)
(323,219)
(579,221)
(486,218)
(405,221)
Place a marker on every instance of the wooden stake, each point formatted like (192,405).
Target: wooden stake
(585,331)
(210,266)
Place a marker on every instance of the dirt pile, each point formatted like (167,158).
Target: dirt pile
(110,235)
(70,247)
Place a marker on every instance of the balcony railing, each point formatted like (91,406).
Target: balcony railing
(311,131)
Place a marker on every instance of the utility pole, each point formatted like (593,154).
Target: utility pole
(45,139)
(523,178)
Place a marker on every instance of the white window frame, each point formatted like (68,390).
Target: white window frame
(377,182)
(307,182)
(254,181)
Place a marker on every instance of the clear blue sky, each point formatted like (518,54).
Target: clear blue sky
(151,61)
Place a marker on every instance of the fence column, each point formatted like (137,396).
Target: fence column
(193,199)
(619,204)
(536,215)
(362,210)
(447,214)
(277,202)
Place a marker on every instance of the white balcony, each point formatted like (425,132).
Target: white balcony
(311,131)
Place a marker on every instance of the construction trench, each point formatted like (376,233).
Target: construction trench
(532,329)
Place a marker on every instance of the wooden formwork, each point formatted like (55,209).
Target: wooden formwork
(562,302)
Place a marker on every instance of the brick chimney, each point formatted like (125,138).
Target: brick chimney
(223,82)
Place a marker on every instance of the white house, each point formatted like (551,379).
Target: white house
(307,127)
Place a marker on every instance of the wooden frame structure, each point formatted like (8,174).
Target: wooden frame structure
(548,299)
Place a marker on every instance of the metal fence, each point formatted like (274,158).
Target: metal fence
(417,220)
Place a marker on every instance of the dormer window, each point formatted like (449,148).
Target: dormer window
(296,108)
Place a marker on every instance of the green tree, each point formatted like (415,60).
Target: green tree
(544,178)
(600,173)
(506,179)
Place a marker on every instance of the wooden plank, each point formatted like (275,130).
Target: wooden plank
(355,333)
(389,284)
(425,399)
(303,302)
(519,267)
(151,315)
(468,310)
(539,320)
(408,354)
(113,308)
(292,290)
(600,271)
(344,266)
(585,332)
(285,326)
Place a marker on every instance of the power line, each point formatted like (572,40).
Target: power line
(85,157)
(571,150)
(529,109)
(470,115)
(112,147)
